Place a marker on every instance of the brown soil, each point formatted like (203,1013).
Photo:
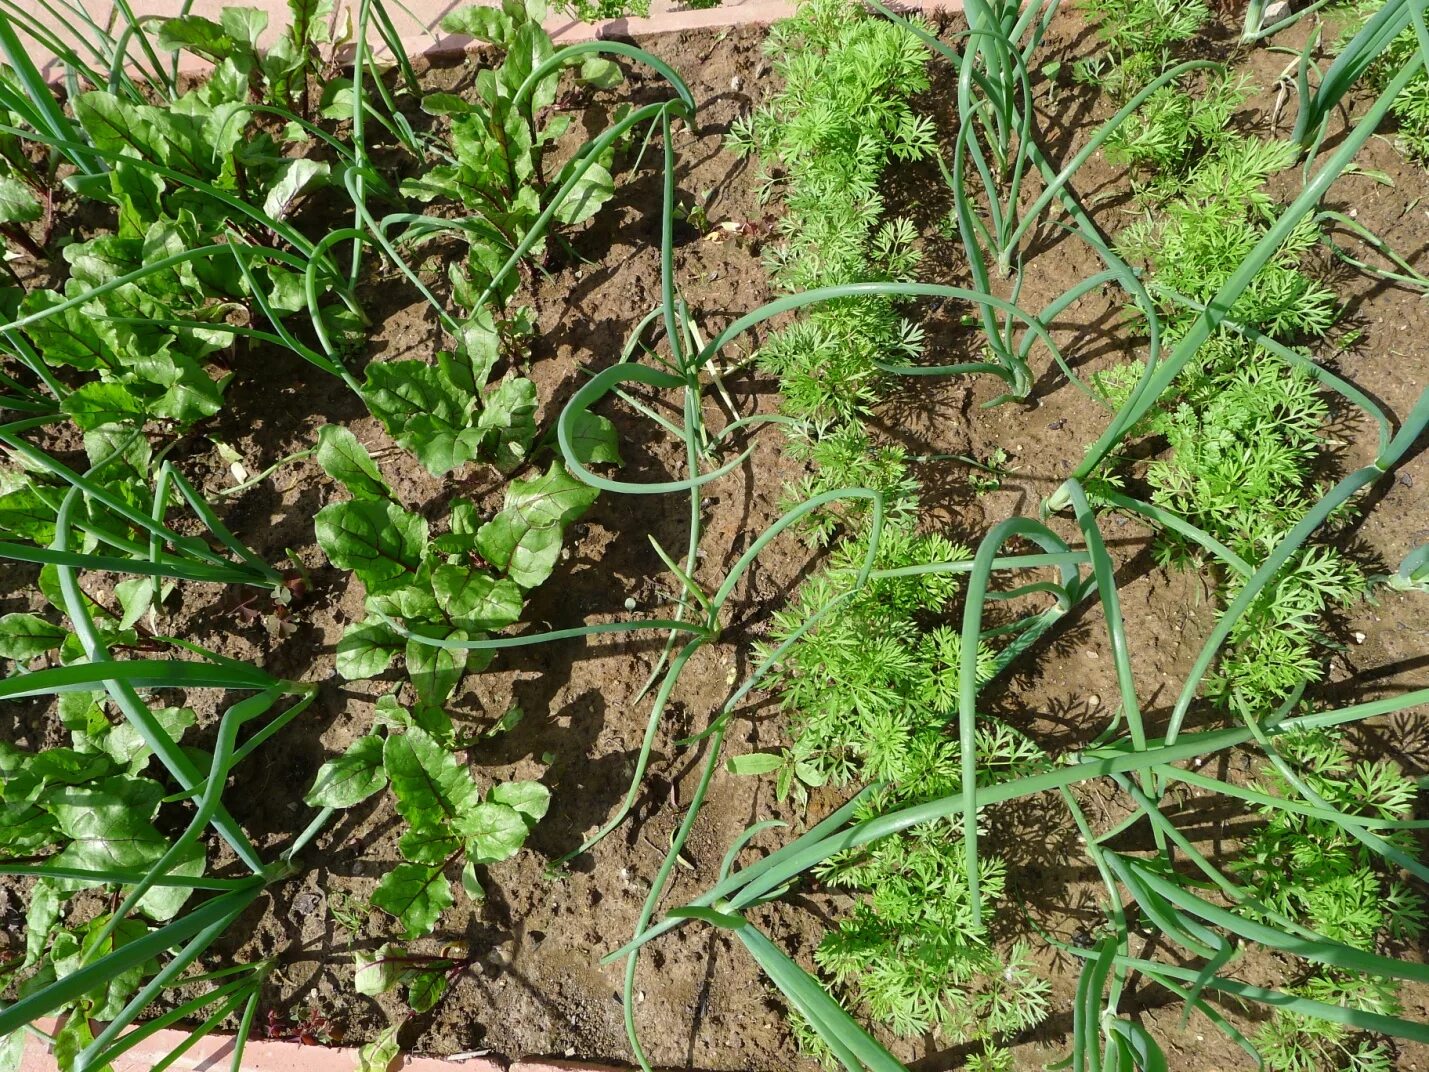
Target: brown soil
(537,986)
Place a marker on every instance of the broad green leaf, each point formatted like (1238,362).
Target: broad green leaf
(67,338)
(26,772)
(138,192)
(445,104)
(244,24)
(309,23)
(115,127)
(426,989)
(12,1051)
(197,34)
(593,439)
(475,600)
(346,460)
(25,829)
(528,48)
(366,650)
(337,100)
(126,745)
(41,917)
(26,636)
(463,522)
(483,23)
(95,404)
(524,540)
(70,1040)
(17,201)
(398,391)
(427,717)
(592,190)
(438,445)
(416,894)
(423,409)
(507,423)
(72,950)
(108,822)
(470,884)
(531,799)
(493,831)
(480,349)
(378,1055)
(350,778)
(431,786)
(409,596)
(190,394)
(286,292)
(134,596)
(377,972)
(428,845)
(378,541)
(296,178)
(81,714)
(25,515)
(600,72)
(435,671)
(755,763)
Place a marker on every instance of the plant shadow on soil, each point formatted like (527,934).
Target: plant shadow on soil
(536,986)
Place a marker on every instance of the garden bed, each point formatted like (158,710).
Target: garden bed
(533,982)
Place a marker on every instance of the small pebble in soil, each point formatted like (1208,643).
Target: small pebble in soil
(1058,424)
(305,904)
(736,83)
(630,603)
(1093,702)
(1359,637)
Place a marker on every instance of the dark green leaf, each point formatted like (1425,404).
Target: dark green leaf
(430,785)
(416,894)
(493,831)
(531,799)
(366,650)
(592,190)
(346,460)
(524,540)
(425,990)
(25,636)
(435,671)
(379,541)
(475,600)
(17,201)
(593,439)
(351,777)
